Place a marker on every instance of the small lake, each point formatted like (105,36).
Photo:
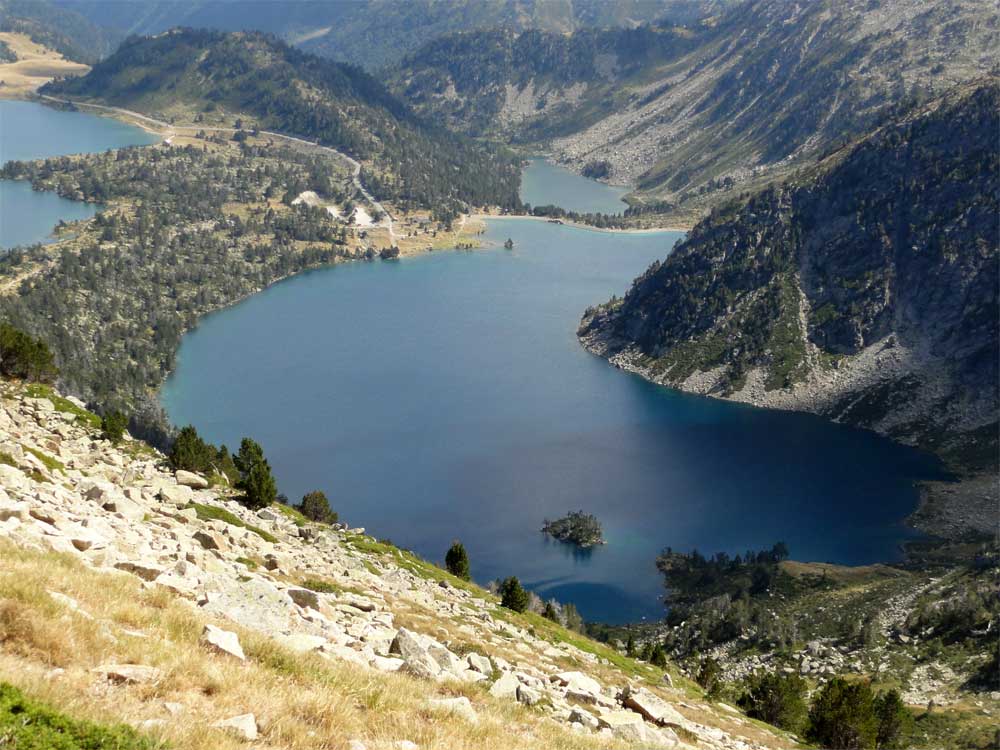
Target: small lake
(446,396)
(543,183)
(29,130)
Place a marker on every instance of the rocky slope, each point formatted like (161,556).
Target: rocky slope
(691,114)
(119,543)
(864,290)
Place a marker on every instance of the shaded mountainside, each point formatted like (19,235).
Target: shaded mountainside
(58,28)
(407,160)
(864,290)
(691,114)
(374,33)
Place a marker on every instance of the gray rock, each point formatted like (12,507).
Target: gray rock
(650,706)
(460,706)
(479,663)
(506,686)
(243,726)
(527,696)
(176,494)
(211,540)
(416,659)
(190,479)
(223,641)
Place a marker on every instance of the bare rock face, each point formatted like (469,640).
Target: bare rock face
(223,641)
(650,706)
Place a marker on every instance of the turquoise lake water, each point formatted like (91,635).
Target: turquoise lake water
(446,396)
(544,183)
(29,130)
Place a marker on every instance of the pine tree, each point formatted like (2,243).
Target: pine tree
(457,561)
(256,479)
(630,646)
(512,595)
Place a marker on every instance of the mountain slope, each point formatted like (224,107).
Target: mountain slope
(116,569)
(374,33)
(712,108)
(59,28)
(188,73)
(864,290)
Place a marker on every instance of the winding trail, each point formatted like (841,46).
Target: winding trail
(169,129)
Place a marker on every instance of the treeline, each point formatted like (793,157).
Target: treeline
(416,164)
(599,220)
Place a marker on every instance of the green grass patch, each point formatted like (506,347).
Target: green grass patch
(51,463)
(211,513)
(292,514)
(37,390)
(6,458)
(28,725)
(252,564)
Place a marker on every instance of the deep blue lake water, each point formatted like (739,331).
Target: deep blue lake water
(29,130)
(544,183)
(446,397)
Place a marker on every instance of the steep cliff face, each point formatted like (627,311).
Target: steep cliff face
(865,289)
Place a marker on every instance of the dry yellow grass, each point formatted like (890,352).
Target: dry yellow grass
(300,701)
(35,65)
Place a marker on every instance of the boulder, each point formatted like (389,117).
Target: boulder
(127,508)
(14,510)
(176,494)
(650,706)
(211,540)
(577,681)
(243,726)
(527,695)
(416,658)
(479,663)
(460,706)
(13,479)
(624,725)
(190,479)
(223,641)
(506,686)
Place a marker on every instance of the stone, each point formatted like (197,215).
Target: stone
(356,745)
(243,726)
(624,725)
(527,696)
(414,653)
(190,479)
(577,681)
(128,674)
(650,706)
(479,663)
(506,686)
(266,514)
(668,680)
(585,718)
(304,598)
(13,479)
(211,540)
(14,510)
(386,663)
(127,508)
(147,571)
(405,745)
(223,641)
(460,706)
(172,708)
(176,494)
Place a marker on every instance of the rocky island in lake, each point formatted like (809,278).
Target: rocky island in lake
(576,527)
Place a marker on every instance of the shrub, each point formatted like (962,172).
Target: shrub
(316,507)
(27,724)
(843,716)
(25,357)
(512,595)
(710,677)
(778,699)
(113,426)
(457,561)
(189,452)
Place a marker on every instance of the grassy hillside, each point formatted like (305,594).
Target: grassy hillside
(58,28)
(265,82)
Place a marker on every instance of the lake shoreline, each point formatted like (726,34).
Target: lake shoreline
(579,224)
